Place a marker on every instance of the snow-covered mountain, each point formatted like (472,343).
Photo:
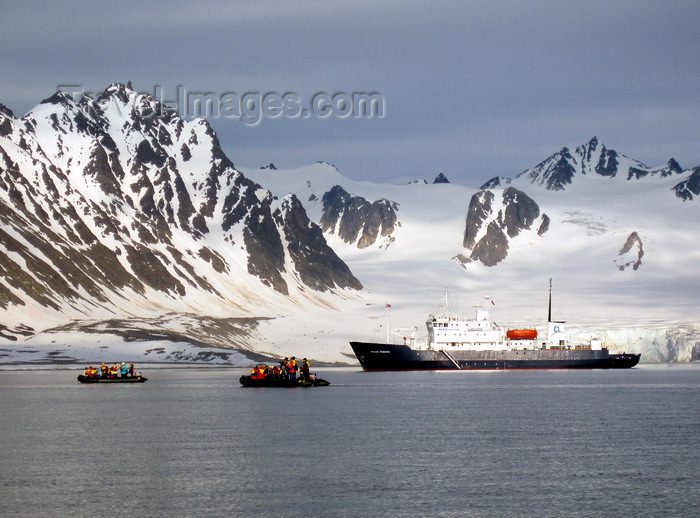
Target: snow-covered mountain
(355,220)
(116,206)
(565,167)
(493,220)
(622,250)
(125,228)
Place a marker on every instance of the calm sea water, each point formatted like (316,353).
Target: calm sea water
(193,442)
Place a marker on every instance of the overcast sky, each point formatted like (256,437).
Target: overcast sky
(471,89)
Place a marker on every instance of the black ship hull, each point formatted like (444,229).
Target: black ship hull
(247,381)
(387,357)
(90,379)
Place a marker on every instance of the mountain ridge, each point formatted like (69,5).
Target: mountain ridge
(613,258)
(115,209)
(558,171)
(99,204)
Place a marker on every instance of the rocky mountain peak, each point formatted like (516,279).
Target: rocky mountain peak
(493,218)
(441,178)
(690,187)
(102,206)
(672,167)
(563,168)
(356,220)
(496,182)
(5,111)
(59,98)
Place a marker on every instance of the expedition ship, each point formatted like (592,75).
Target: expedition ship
(479,343)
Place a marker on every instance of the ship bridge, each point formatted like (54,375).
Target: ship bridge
(446,332)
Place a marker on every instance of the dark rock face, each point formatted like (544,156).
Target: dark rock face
(316,263)
(4,110)
(520,211)
(607,163)
(492,221)
(631,253)
(480,209)
(544,226)
(671,168)
(492,248)
(462,260)
(562,168)
(129,206)
(5,116)
(441,178)
(494,183)
(355,219)
(264,245)
(561,174)
(690,187)
(556,172)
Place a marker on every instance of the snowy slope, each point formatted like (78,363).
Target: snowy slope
(108,214)
(590,223)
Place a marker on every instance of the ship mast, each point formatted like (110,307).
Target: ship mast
(446,307)
(549,315)
(386,309)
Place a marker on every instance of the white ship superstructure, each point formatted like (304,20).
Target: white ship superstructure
(480,344)
(448,333)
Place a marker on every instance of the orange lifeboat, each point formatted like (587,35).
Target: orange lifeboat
(522,334)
